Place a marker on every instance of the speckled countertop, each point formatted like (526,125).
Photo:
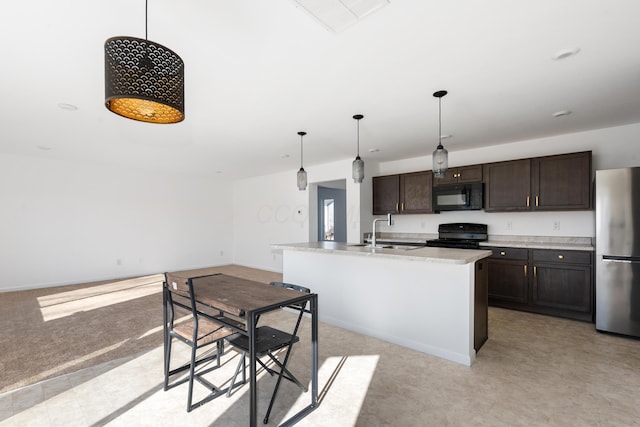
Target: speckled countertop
(528,242)
(420,253)
(541,242)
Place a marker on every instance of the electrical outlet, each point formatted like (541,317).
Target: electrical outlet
(509,225)
(556,225)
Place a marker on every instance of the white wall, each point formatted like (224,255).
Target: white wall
(615,147)
(270,209)
(267,210)
(266,207)
(64,222)
(611,148)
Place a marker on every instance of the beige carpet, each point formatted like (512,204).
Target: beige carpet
(53,331)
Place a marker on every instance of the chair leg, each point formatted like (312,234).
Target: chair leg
(241,365)
(291,377)
(192,371)
(167,361)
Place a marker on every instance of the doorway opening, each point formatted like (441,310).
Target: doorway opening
(332,211)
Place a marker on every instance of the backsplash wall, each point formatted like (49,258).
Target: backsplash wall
(571,224)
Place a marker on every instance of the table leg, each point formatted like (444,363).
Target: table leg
(253,411)
(314,350)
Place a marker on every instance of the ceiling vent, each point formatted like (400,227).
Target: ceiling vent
(337,15)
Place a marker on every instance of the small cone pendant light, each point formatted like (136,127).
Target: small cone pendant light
(440,155)
(302,174)
(357,167)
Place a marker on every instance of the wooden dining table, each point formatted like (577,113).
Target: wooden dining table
(247,300)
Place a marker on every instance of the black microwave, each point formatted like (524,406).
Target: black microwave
(458,197)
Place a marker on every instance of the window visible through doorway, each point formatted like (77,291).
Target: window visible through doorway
(332,212)
(329,219)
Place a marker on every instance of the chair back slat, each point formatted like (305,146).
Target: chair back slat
(300,307)
(177,284)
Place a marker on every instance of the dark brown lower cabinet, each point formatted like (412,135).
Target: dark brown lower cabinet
(562,283)
(481,307)
(508,277)
(551,282)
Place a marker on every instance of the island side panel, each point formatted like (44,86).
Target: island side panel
(426,306)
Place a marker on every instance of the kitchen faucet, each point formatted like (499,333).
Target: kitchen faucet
(373,235)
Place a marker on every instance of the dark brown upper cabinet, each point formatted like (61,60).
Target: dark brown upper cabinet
(386,194)
(462,174)
(408,193)
(561,182)
(415,192)
(507,186)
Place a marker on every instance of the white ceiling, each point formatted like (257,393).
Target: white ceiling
(258,71)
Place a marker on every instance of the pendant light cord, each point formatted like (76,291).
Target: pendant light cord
(146,12)
(301,136)
(358,139)
(439,122)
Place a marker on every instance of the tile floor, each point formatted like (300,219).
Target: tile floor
(534,370)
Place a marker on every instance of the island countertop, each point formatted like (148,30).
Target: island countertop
(420,253)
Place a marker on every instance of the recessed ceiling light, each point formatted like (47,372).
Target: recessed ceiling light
(43,148)
(561,113)
(565,53)
(447,136)
(285,156)
(67,107)
(374,150)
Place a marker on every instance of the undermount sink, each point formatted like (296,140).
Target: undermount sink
(397,247)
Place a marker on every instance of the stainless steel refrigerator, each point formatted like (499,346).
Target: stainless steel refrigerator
(618,251)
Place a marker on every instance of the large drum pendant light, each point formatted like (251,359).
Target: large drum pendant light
(143,80)
(440,155)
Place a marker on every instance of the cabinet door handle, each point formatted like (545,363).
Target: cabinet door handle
(503,253)
(525,269)
(537,201)
(535,271)
(402,206)
(528,199)
(561,256)
(397,207)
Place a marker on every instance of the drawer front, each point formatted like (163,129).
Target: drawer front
(565,257)
(510,253)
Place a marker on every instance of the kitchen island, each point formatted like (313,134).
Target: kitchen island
(433,300)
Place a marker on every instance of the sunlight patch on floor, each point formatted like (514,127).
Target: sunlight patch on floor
(132,391)
(343,385)
(60,368)
(68,303)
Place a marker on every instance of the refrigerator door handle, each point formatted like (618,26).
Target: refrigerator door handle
(628,260)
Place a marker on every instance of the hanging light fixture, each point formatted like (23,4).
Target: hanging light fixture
(440,155)
(357,167)
(302,174)
(143,80)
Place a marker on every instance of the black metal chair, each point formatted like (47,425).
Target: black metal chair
(197,331)
(268,342)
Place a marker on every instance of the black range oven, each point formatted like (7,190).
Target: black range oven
(462,235)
